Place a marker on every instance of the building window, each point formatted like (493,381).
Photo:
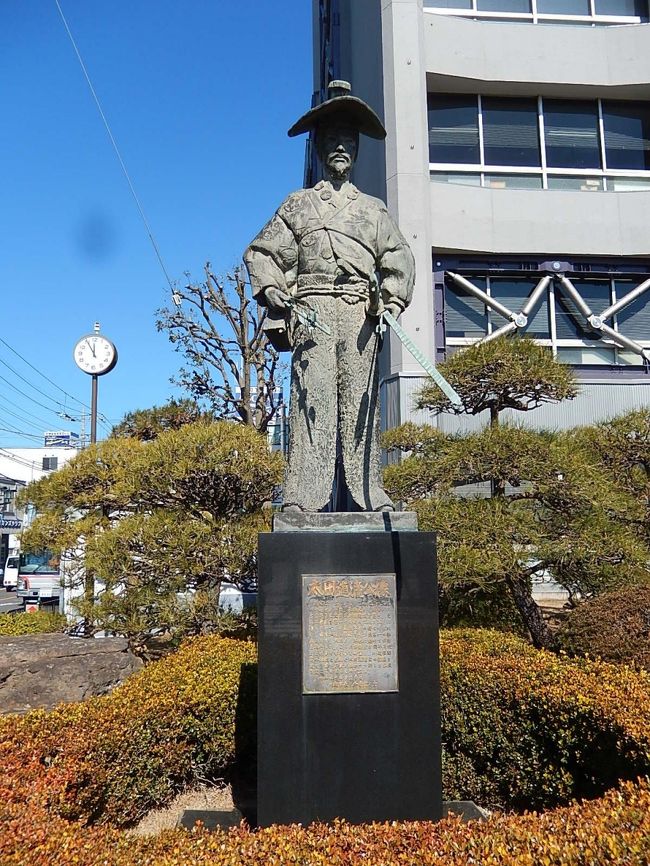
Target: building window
(581,312)
(50,463)
(510,131)
(546,11)
(539,143)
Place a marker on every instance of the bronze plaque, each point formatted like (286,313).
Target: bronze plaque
(349,633)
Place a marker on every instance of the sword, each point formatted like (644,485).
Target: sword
(422,360)
(307,316)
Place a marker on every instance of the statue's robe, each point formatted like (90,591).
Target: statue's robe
(340,255)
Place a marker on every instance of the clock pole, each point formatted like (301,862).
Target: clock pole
(93,401)
(95,355)
(93,410)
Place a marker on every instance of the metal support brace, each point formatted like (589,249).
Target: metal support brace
(597,322)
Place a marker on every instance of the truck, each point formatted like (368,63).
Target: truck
(39,580)
(10,574)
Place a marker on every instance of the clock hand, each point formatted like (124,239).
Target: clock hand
(91,348)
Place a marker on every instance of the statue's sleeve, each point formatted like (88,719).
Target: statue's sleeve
(271,259)
(395,263)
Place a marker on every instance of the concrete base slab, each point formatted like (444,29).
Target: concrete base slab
(345,521)
(210,818)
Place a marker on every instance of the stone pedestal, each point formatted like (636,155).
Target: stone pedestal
(348,707)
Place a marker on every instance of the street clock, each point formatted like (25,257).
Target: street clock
(95,354)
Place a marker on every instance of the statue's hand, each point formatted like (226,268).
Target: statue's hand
(276,299)
(394,309)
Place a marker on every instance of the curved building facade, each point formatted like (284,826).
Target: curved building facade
(517,164)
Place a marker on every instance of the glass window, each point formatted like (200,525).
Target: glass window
(510,131)
(465,315)
(570,322)
(503,5)
(627,135)
(622,7)
(513,181)
(448,4)
(571,133)
(513,292)
(563,7)
(453,129)
(584,184)
(634,320)
(627,184)
(588,355)
(629,359)
(465,178)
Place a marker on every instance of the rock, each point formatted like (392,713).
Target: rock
(40,671)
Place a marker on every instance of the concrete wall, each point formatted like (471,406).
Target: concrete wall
(547,222)
(502,58)
(407,173)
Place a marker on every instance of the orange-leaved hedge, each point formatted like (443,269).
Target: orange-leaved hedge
(523,728)
(113,758)
(603,832)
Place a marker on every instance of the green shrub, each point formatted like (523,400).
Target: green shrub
(31,623)
(614,626)
(524,728)
(464,605)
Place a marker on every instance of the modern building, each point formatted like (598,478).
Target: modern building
(517,164)
(18,467)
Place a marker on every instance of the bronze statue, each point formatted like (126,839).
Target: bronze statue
(325,265)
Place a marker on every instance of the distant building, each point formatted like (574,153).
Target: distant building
(19,466)
(61,439)
(517,164)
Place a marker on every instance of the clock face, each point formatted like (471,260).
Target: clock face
(95,354)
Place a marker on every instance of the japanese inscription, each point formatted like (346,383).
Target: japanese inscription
(349,633)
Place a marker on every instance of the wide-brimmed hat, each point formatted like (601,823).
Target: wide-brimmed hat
(343,107)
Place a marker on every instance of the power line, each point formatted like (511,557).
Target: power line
(20,433)
(29,423)
(47,378)
(4,399)
(27,382)
(42,405)
(115,147)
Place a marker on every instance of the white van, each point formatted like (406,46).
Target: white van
(10,576)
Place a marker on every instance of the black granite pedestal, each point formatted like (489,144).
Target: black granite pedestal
(356,736)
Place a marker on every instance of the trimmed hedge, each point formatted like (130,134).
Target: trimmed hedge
(613,830)
(520,727)
(41,622)
(523,728)
(113,758)
(614,626)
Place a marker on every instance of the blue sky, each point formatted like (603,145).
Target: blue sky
(199,95)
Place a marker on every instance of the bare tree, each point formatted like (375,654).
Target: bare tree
(219,329)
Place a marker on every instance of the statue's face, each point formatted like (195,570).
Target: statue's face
(337,146)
